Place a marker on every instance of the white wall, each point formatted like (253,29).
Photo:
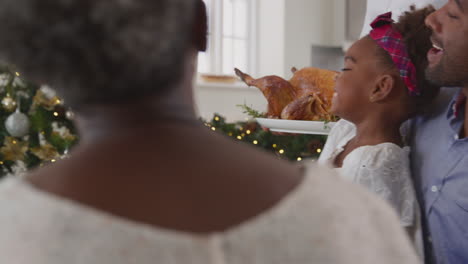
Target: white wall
(299,34)
(288,29)
(223,99)
(271,37)
(377,7)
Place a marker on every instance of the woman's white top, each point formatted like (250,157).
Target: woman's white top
(323,220)
(384,169)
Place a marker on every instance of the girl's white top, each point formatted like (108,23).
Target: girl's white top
(383,169)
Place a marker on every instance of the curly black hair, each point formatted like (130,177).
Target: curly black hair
(98,51)
(416,36)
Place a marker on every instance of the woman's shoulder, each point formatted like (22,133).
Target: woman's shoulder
(38,227)
(325,208)
(321,209)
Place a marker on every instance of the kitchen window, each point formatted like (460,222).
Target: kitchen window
(231,37)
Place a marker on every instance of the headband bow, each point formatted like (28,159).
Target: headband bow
(387,37)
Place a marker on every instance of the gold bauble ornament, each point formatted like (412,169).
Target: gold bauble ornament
(46,152)
(65,135)
(14,149)
(41,99)
(9,103)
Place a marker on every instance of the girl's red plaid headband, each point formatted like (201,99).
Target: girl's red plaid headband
(391,41)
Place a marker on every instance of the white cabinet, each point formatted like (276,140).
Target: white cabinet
(289,28)
(334,22)
(354,23)
(327,22)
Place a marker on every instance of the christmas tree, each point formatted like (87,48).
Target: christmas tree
(35,126)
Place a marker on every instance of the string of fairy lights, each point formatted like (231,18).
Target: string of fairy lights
(291,147)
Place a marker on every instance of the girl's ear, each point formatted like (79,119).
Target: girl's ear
(383,87)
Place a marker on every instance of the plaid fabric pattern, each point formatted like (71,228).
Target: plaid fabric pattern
(391,41)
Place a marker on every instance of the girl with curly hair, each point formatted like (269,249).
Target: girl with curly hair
(381,86)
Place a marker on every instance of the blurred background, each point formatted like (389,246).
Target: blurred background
(269,37)
(260,37)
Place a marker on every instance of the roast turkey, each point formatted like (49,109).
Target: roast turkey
(278,92)
(306,96)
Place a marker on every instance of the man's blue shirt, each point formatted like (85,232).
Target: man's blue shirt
(439,160)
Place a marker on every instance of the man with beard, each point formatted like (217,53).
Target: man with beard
(439,139)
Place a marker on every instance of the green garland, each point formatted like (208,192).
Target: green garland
(290,147)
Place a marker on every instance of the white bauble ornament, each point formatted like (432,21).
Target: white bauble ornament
(70,115)
(17,124)
(4,79)
(48,92)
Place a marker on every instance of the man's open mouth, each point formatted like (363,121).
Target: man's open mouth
(437,47)
(435,53)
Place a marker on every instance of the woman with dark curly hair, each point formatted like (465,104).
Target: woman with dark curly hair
(150,184)
(381,86)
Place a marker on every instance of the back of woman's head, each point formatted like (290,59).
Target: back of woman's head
(416,36)
(98,51)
